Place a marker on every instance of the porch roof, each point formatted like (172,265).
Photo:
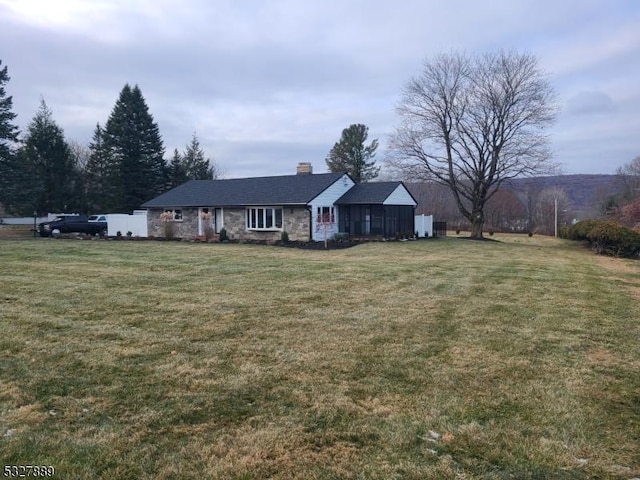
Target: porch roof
(374,193)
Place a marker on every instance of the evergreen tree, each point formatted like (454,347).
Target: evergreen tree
(46,156)
(352,156)
(137,170)
(197,167)
(101,194)
(191,165)
(177,170)
(8,138)
(80,154)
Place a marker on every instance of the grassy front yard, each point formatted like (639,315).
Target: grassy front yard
(431,359)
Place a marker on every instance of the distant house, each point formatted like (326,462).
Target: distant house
(307,206)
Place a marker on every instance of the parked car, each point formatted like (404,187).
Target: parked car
(72,224)
(97,218)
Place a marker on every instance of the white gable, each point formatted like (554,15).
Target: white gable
(400,196)
(328,198)
(333,192)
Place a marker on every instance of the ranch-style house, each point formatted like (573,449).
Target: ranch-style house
(308,206)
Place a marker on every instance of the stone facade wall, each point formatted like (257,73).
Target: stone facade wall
(295,222)
(187,228)
(234,223)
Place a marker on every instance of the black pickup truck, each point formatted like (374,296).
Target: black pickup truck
(72,224)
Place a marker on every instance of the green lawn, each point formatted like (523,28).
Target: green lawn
(404,360)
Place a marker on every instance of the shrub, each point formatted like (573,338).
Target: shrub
(208,232)
(223,235)
(531,234)
(580,230)
(168,225)
(118,234)
(284,237)
(491,233)
(607,238)
(563,232)
(170,230)
(129,234)
(341,237)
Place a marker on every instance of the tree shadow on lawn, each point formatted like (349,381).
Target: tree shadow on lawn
(481,239)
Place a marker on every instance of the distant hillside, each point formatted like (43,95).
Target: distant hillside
(586,193)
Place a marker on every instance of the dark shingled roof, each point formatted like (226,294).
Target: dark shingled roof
(282,190)
(368,193)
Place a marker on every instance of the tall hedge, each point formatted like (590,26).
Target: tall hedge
(607,238)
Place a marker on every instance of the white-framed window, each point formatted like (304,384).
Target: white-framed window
(325,215)
(171,215)
(264,218)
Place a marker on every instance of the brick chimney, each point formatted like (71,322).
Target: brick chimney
(304,168)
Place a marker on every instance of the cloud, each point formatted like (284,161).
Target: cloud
(590,103)
(286,76)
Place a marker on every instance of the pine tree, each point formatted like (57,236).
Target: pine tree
(48,158)
(8,137)
(100,192)
(352,156)
(137,170)
(197,167)
(177,170)
(192,164)
(80,154)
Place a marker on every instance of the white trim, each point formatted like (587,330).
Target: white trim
(328,198)
(256,219)
(219,215)
(173,212)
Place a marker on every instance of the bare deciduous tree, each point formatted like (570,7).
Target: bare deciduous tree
(630,174)
(437,200)
(505,212)
(551,210)
(472,123)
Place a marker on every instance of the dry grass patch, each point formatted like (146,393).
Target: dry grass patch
(430,359)
(16,231)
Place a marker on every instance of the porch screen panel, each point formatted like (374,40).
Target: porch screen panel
(391,221)
(377,220)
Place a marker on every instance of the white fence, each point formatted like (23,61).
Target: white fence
(424,225)
(123,223)
(29,220)
(21,220)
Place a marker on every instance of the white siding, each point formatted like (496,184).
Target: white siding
(327,199)
(400,196)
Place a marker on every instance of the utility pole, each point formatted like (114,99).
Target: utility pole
(555,218)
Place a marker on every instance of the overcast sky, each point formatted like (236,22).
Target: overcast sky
(266,84)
